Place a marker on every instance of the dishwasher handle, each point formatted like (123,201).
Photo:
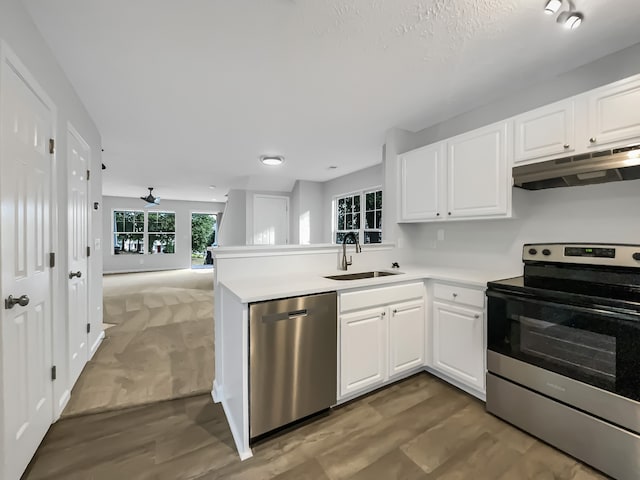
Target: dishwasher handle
(278,316)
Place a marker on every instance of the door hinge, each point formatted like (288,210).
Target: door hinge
(88,251)
(88,328)
(52,146)
(52,260)
(88,175)
(54,373)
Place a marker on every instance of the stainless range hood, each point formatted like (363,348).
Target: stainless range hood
(587,169)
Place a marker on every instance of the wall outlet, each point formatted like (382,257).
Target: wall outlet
(440,235)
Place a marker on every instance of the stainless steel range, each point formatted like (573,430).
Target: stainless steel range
(564,352)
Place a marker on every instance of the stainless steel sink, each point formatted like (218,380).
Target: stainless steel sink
(361,275)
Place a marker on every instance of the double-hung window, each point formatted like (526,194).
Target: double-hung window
(360,213)
(162,232)
(128,231)
(137,231)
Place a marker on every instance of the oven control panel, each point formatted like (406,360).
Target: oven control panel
(585,253)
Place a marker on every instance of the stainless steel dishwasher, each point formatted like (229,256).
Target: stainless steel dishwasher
(292,360)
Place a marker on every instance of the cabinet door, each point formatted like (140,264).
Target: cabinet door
(406,336)
(458,343)
(422,183)
(479,181)
(614,113)
(546,131)
(363,340)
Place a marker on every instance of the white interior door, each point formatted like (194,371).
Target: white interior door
(78,225)
(26,165)
(270,220)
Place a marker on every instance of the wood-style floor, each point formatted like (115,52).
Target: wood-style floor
(420,428)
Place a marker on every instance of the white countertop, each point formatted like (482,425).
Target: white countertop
(259,288)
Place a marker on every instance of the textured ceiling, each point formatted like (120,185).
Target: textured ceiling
(188,94)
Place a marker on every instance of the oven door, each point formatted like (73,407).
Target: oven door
(586,356)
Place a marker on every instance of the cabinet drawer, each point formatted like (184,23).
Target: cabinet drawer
(372,297)
(457,294)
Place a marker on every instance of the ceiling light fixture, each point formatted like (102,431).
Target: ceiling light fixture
(272,160)
(569,18)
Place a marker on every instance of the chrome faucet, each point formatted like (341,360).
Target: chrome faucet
(345,263)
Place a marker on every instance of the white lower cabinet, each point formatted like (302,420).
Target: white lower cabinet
(458,332)
(362,350)
(382,343)
(406,337)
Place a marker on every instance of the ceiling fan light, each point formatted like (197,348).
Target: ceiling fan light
(552,7)
(272,160)
(573,21)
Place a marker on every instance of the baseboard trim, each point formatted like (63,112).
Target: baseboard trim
(62,403)
(216,392)
(96,344)
(244,451)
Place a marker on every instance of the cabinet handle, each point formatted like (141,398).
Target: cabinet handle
(449,213)
(454,295)
(395,310)
(593,139)
(566,145)
(477,315)
(437,214)
(383,314)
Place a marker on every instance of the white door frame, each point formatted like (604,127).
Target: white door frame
(8,59)
(253,214)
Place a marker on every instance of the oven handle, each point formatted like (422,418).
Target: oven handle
(616,314)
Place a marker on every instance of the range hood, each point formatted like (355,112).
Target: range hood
(587,169)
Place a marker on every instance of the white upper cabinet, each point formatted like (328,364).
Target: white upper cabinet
(614,114)
(479,173)
(422,180)
(468,176)
(545,132)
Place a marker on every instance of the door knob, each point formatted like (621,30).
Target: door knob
(75,274)
(11,302)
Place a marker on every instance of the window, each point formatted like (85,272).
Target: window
(162,232)
(128,232)
(360,213)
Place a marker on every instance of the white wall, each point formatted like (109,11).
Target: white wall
(21,35)
(233,228)
(353,182)
(307,213)
(599,213)
(147,262)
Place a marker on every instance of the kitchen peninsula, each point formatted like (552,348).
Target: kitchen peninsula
(388,327)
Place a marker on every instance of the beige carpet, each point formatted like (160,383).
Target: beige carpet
(159,345)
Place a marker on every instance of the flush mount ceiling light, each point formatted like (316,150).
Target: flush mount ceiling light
(570,18)
(272,160)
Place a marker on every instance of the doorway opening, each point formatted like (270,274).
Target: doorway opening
(203,238)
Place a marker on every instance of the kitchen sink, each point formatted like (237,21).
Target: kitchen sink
(361,275)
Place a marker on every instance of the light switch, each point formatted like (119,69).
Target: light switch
(441,235)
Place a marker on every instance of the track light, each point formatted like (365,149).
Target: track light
(570,18)
(552,7)
(573,20)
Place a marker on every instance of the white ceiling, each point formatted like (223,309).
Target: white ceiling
(189,94)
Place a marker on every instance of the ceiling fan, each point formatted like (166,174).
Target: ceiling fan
(150,199)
